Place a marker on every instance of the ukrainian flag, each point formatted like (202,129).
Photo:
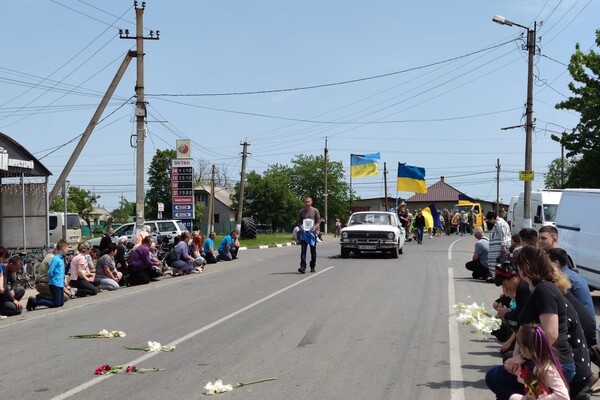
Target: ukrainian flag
(411,179)
(363,165)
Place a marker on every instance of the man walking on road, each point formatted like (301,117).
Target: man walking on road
(308,222)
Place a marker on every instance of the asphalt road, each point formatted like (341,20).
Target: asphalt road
(360,328)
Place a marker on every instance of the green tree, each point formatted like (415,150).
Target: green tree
(79,201)
(124,212)
(159,180)
(269,198)
(308,179)
(554,178)
(198,211)
(584,140)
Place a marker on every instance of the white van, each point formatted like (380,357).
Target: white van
(56,222)
(544,205)
(510,215)
(579,231)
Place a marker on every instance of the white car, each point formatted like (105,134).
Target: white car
(169,227)
(370,231)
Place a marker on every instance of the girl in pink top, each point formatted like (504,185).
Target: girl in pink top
(547,381)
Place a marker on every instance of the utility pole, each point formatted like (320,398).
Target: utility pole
(498,187)
(242,178)
(529,127)
(211,203)
(90,127)
(325,193)
(140,109)
(562,166)
(387,206)
(531,38)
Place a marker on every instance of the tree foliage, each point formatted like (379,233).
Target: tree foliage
(584,140)
(79,201)
(308,179)
(275,197)
(124,212)
(554,178)
(269,198)
(159,180)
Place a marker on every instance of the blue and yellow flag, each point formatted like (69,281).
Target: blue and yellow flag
(363,165)
(411,179)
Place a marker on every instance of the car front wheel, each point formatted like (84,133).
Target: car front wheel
(345,253)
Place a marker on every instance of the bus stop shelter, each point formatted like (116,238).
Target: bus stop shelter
(23,197)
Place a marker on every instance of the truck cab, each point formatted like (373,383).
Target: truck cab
(467,207)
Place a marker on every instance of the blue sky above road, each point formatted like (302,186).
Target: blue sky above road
(453,80)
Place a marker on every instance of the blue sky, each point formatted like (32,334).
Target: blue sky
(58,57)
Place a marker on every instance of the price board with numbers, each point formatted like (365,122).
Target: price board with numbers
(182,185)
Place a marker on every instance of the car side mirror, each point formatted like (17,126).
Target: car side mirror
(537,219)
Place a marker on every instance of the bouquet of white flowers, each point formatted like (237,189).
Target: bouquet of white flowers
(481,321)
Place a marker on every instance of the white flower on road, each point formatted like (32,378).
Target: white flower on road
(154,346)
(217,387)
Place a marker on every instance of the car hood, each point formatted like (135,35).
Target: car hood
(369,228)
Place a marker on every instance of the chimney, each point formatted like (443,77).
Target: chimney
(442,179)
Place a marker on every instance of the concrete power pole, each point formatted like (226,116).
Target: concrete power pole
(242,178)
(140,109)
(211,202)
(498,187)
(325,193)
(90,127)
(387,206)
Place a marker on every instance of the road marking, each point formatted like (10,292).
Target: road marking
(190,335)
(450,249)
(457,388)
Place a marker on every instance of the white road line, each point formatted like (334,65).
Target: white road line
(190,335)
(450,249)
(457,388)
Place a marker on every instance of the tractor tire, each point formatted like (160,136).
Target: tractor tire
(248,230)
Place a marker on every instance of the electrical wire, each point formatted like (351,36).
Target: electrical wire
(332,83)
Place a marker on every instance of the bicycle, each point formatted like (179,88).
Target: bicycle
(30,263)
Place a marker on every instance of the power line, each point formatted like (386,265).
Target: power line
(333,83)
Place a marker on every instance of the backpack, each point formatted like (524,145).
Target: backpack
(170,257)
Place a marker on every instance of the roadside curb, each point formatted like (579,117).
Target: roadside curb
(267,246)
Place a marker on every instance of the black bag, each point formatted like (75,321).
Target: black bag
(170,258)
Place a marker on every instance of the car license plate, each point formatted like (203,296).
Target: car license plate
(367,247)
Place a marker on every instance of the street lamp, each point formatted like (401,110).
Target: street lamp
(528,178)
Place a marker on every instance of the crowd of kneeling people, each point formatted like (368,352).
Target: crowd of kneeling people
(549,332)
(118,265)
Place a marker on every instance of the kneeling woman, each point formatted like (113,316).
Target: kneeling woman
(81,277)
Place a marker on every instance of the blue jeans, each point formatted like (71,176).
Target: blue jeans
(313,255)
(224,256)
(420,233)
(58,298)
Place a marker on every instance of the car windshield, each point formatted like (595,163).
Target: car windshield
(367,218)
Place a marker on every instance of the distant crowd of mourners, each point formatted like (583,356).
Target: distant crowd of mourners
(64,275)
(548,335)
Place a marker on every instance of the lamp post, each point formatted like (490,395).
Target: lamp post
(529,115)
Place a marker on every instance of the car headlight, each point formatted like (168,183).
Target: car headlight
(390,235)
(345,235)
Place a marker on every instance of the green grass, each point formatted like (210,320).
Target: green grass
(261,239)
